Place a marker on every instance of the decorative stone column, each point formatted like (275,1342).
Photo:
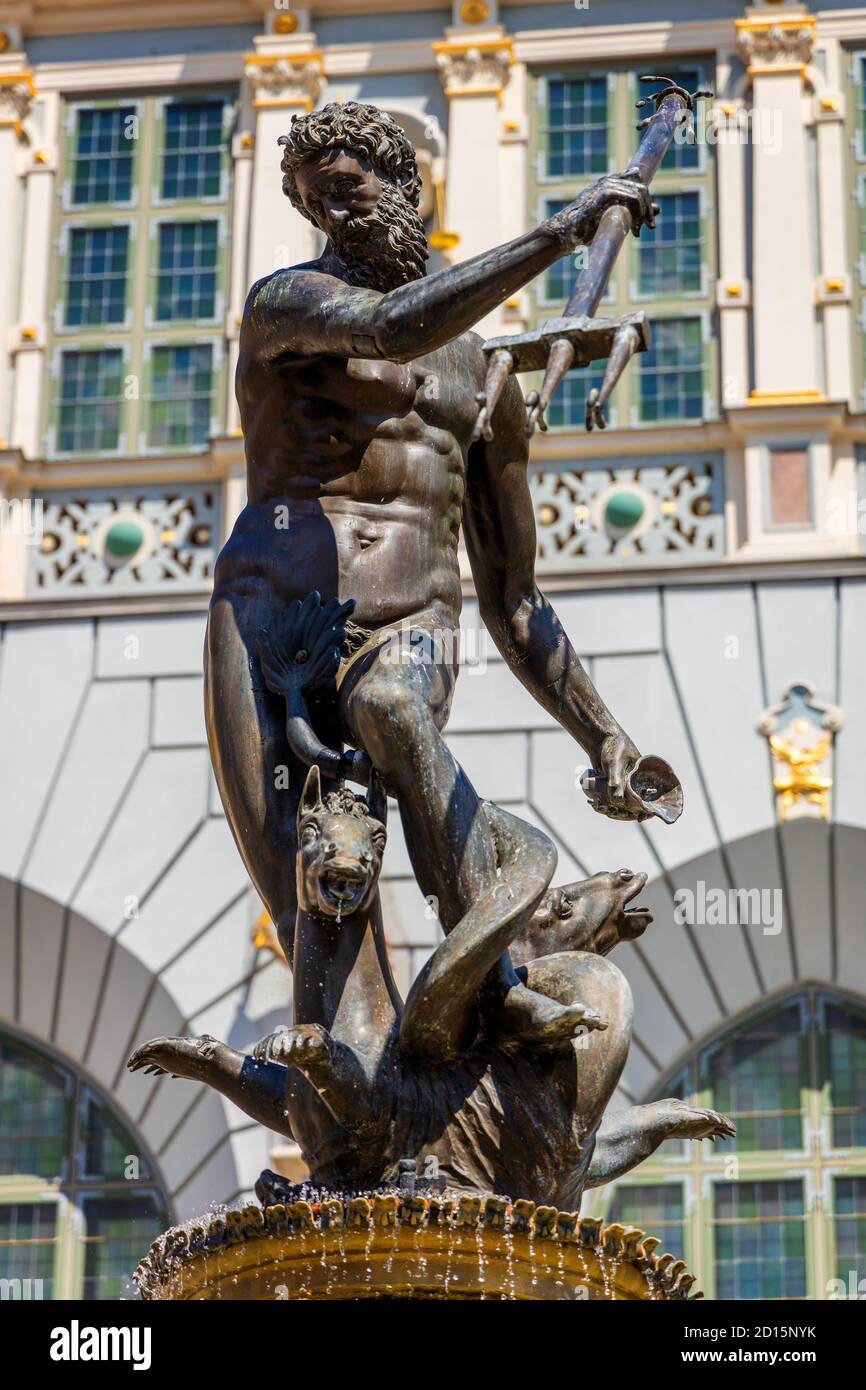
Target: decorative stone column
(28,337)
(243,155)
(474,73)
(16,96)
(833,291)
(286,75)
(777,50)
(733,292)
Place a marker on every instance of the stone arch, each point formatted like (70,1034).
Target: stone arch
(694,980)
(82,997)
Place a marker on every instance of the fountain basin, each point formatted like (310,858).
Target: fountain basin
(395,1246)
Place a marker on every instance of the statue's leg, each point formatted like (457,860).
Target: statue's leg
(260,1088)
(259,780)
(332,1069)
(628,1137)
(599,1057)
(394,704)
(601,987)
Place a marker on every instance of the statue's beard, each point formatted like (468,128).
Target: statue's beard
(387,247)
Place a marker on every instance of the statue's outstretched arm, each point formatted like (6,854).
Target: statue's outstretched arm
(304,312)
(499,526)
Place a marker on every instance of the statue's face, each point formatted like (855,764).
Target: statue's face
(370,223)
(337,189)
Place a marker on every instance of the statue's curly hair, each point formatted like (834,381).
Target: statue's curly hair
(344,802)
(363,129)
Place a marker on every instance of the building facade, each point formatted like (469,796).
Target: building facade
(705,553)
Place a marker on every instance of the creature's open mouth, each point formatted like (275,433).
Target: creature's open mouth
(637,914)
(341,893)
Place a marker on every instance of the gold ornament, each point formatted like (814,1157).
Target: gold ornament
(286,23)
(474,12)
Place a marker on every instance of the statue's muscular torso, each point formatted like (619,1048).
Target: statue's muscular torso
(356,472)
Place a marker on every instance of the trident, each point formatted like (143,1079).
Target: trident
(578,337)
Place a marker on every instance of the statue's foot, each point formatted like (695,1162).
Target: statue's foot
(691,1122)
(534,1020)
(173,1056)
(301,1046)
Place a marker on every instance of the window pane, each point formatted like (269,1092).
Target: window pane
(118,1230)
(35,1102)
(96,276)
(54,1127)
(192,155)
(671,371)
(28,1242)
(670,257)
(849,1206)
(757,1077)
(845,1044)
(657,1208)
(103,147)
(760,1239)
(568,406)
(90,399)
(186,283)
(574,133)
(104,1145)
(181,399)
(790,491)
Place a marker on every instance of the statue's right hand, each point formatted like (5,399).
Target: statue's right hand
(576,224)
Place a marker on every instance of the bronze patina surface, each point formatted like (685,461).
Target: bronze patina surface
(331,659)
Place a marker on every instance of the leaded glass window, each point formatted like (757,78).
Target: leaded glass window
(582,127)
(670,255)
(186,277)
(96,276)
(760,1239)
(575,129)
(181,396)
(102,162)
(757,1078)
(849,1206)
(845,1040)
(79,1200)
(192,152)
(89,403)
(140,227)
(779,1211)
(671,371)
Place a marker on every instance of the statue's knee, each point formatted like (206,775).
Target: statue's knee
(387,713)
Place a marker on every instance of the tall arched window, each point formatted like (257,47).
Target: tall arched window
(779,1212)
(79,1200)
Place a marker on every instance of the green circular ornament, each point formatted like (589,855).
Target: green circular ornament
(123,539)
(624,510)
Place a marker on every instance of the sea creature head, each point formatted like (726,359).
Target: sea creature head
(341,840)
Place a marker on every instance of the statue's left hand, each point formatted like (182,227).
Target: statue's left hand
(303,649)
(617,756)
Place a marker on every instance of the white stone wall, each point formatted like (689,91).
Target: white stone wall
(126,911)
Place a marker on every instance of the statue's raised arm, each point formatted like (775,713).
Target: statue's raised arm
(363,194)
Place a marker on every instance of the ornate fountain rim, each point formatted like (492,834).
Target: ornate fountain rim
(393,1245)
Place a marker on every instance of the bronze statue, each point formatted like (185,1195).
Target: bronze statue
(364,1085)
(357,380)
(331,657)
